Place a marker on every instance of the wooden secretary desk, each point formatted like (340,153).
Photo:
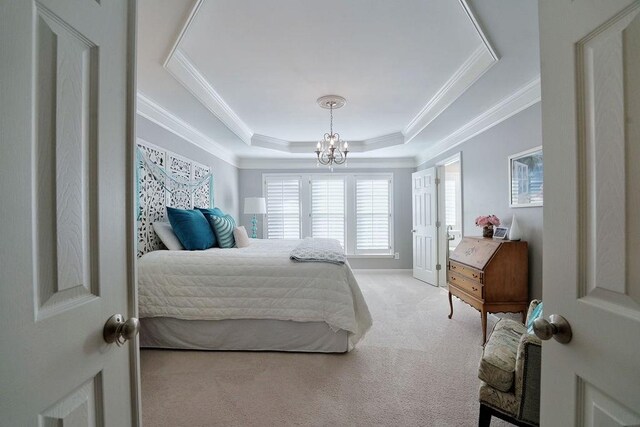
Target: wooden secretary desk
(490,275)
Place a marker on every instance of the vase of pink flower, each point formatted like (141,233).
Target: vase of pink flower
(487,222)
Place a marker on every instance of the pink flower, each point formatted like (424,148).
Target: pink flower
(485,220)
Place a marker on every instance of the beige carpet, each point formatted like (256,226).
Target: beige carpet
(415,367)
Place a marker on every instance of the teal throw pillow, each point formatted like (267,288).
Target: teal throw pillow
(211,211)
(223,226)
(192,228)
(537,312)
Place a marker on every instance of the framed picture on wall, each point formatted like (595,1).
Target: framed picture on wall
(526,178)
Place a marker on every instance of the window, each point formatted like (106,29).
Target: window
(373,215)
(283,207)
(328,208)
(354,209)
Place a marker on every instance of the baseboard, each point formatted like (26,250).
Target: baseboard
(383,270)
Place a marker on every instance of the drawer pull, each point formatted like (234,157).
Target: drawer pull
(474,289)
(453,278)
(475,276)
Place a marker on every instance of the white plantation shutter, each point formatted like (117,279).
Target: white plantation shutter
(328,209)
(283,207)
(373,215)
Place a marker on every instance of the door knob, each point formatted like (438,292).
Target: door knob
(413,231)
(557,327)
(118,331)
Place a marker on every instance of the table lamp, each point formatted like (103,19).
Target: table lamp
(255,206)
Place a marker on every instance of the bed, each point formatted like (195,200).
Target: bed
(252,298)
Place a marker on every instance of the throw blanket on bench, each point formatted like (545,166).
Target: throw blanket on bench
(319,250)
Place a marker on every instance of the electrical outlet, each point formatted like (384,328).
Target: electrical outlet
(397,255)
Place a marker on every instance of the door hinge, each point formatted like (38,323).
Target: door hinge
(437,181)
(437,224)
(438,267)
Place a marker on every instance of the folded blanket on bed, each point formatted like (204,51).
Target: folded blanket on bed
(319,250)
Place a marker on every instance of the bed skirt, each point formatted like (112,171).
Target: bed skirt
(241,335)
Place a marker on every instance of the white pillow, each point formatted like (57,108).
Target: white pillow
(242,239)
(168,237)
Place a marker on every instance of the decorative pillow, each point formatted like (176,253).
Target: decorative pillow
(241,236)
(167,236)
(192,228)
(223,227)
(211,211)
(537,312)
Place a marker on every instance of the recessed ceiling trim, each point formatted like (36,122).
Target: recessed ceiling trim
(471,70)
(476,24)
(384,141)
(150,110)
(183,30)
(352,164)
(181,67)
(521,99)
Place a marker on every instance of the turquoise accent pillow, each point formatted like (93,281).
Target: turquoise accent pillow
(537,312)
(192,228)
(223,226)
(211,211)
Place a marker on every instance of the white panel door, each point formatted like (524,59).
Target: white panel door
(590,52)
(66,247)
(425,255)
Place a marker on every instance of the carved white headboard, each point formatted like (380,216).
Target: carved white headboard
(156,192)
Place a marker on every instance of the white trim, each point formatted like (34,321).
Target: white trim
(521,99)
(408,271)
(181,67)
(150,110)
(471,70)
(478,28)
(311,163)
(183,30)
(185,72)
(371,256)
(383,141)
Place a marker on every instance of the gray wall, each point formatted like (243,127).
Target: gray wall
(251,186)
(485,176)
(225,175)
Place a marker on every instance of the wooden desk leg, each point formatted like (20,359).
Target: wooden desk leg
(483,313)
(450,306)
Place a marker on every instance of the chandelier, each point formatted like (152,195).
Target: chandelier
(331,149)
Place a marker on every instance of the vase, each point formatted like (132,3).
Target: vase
(514,230)
(487,231)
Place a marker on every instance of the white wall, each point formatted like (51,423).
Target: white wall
(251,186)
(485,177)
(225,175)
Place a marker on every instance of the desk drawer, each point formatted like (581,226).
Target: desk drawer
(469,286)
(466,271)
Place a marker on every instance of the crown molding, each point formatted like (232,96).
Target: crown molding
(478,63)
(309,163)
(384,141)
(521,99)
(182,68)
(150,110)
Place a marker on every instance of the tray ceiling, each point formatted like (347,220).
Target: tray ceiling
(258,67)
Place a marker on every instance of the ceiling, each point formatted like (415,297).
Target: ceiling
(240,78)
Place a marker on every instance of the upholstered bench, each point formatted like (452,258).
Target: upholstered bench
(510,374)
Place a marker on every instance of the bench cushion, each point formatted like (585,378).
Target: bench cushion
(498,362)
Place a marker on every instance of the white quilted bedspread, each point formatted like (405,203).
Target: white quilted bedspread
(255,282)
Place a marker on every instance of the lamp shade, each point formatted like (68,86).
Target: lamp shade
(255,205)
